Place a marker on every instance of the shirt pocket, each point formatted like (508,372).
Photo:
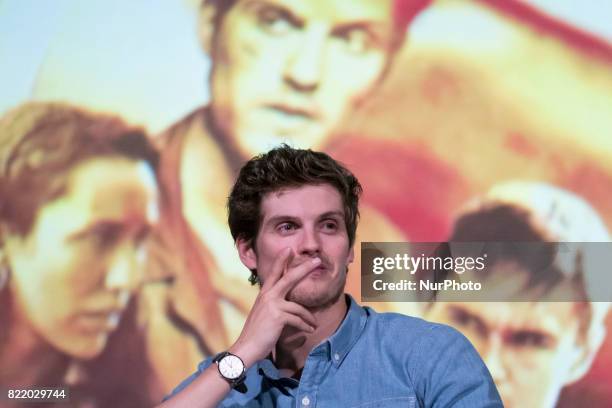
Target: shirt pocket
(399,402)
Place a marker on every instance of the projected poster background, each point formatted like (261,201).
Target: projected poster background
(474,95)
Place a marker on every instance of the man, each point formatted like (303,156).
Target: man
(79,198)
(281,71)
(293,216)
(533,349)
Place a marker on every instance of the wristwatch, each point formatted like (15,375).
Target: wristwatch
(231,367)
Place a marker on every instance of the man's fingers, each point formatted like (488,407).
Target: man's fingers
(293,276)
(278,267)
(301,311)
(298,323)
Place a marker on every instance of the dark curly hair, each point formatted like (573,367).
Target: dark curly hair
(281,168)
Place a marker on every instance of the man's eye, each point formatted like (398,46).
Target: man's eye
(530,339)
(330,226)
(105,235)
(466,321)
(286,227)
(356,40)
(274,21)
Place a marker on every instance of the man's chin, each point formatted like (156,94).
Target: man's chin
(257,138)
(307,301)
(314,301)
(86,347)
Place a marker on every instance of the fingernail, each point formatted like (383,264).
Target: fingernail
(316,261)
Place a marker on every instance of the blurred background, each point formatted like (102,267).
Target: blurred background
(483,91)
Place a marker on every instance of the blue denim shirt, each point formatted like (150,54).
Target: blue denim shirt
(375,360)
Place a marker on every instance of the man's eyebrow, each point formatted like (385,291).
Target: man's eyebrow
(285,218)
(462,311)
(331,214)
(530,330)
(378,30)
(257,6)
(97,227)
(534,328)
(369,25)
(280,218)
(548,339)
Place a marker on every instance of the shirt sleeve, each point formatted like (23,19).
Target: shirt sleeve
(201,367)
(450,372)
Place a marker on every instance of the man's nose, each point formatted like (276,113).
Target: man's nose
(305,65)
(493,358)
(125,269)
(310,242)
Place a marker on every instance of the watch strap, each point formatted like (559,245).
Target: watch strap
(220,355)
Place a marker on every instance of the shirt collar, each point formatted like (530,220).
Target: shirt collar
(337,346)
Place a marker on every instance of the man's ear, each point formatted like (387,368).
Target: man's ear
(206,25)
(588,349)
(247,253)
(351,255)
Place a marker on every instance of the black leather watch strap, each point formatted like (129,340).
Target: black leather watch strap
(219,356)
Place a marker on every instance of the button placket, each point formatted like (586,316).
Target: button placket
(315,369)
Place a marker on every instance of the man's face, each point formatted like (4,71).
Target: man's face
(310,221)
(289,70)
(74,272)
(530,348)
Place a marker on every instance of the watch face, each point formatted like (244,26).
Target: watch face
(231,367)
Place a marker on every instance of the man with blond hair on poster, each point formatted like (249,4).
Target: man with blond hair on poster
(548,324)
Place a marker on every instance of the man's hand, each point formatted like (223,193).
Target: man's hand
(272,311)
(270,314)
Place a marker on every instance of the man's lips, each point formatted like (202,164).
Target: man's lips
(303,111)
(97,322)
(299,261)
(317,271)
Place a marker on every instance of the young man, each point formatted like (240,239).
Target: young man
(293,216)
(282,71)
(534,348)
(79,198)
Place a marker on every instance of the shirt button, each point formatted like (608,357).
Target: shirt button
(336,356)
(305,401)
